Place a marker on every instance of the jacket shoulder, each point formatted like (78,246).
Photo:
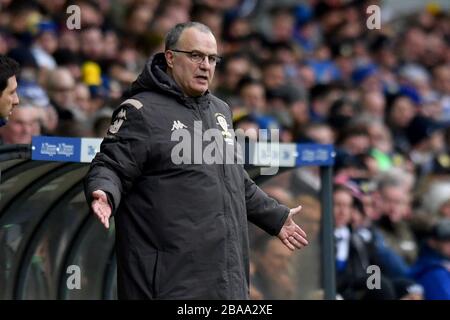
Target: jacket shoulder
(133,102)
(220,103)
(144,100)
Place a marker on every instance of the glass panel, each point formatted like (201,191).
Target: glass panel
(114,286)
(16,184)
(111,278)
(21,218)
(277,272)
(49,249)
(92,256)
(9,163)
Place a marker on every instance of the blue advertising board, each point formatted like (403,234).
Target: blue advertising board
(260,154)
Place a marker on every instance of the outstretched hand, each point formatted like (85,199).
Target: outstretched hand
(100,206)
(291,234)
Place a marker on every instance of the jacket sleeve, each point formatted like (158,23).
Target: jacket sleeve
(262,210)
(122,156)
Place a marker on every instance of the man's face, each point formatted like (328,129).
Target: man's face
(62,92)
(254,97)
(8,98)
(22,126)
(395,203)
(193,78)
(235,70)
(343,204)
(357,144)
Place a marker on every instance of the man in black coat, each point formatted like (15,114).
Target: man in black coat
(181,224)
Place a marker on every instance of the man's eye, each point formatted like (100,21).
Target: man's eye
(196,55)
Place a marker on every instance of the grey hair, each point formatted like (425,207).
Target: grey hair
(395,177)
(174,34)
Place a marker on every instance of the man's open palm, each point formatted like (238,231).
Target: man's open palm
(291,234)
(100,206)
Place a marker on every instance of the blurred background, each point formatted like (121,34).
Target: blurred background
(312,69)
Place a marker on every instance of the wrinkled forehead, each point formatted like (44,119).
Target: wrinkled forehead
(195,39)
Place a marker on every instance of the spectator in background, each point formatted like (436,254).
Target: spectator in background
(374,104)
(392,201)
(273,271)
(352,254)
(253,95)
(436,201)
(401,111)
(341,112)
(431,269)
(137,19)
(101,123)
(232,70)
(45,45)
(355,140)
(426,138)
(60,87)
(23,124)
(30,93)
(318,133)
(321,98)
(92,44)
(441,77)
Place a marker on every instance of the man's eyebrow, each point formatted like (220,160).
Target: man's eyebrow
(199,51)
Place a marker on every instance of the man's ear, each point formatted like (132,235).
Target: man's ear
(169,58)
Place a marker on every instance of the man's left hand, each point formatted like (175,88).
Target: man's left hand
(291,234)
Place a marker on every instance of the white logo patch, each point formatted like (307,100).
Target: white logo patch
(118,121)
(178,125)
(222,122)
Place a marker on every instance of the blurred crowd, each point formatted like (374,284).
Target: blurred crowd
(313,70)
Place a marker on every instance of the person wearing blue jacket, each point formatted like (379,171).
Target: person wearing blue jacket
(432,269)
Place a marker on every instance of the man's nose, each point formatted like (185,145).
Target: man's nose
(16,99)
(205,64)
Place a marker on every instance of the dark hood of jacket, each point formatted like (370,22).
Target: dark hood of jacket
(154,78)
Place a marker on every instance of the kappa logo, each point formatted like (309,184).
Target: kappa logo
(177,124)
(118,121)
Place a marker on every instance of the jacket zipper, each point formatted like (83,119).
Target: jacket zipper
(225,192)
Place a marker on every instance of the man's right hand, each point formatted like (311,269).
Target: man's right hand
(100,206)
